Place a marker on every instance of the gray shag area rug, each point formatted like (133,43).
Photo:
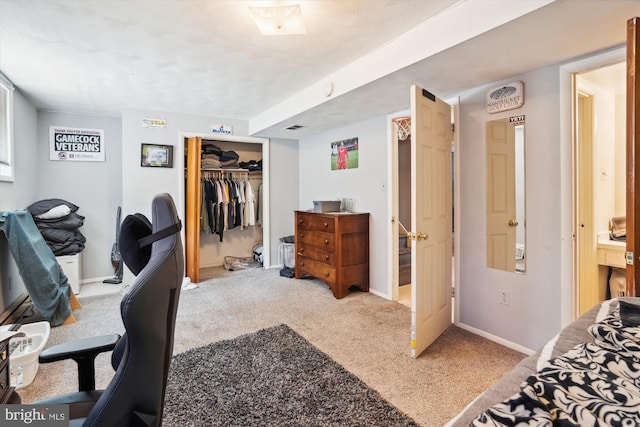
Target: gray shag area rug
(273,377)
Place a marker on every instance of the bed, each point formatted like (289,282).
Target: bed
(588,374)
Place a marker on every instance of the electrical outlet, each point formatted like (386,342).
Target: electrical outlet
(503,297)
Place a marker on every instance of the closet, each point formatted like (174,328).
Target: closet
(225,202)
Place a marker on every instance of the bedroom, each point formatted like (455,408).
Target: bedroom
(534,315)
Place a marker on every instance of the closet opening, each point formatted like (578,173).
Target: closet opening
(226,205)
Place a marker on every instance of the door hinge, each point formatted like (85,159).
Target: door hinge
(453,292)
(629,256)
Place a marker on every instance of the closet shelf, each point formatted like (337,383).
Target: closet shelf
(229,170)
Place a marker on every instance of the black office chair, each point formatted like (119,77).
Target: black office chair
(141,357)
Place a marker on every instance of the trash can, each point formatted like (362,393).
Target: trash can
(618,283)
(286,255)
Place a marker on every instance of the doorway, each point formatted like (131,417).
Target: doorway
(193,149)
(401,201)
(401,130)
(600,183)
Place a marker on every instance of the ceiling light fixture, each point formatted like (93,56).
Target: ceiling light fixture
(278,20)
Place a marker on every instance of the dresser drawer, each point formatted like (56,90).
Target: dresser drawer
(316,254)
(317,239)
(613,258)
(315,222)
(317,269)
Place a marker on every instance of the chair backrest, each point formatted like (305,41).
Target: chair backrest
(135,395)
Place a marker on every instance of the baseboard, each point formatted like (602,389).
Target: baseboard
(96,279)
(496,339)
(379,294)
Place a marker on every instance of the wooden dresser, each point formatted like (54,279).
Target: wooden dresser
(333,247)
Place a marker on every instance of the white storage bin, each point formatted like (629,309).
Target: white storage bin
(71,267)
(24,352)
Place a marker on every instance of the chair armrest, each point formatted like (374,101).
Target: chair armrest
(85,347)
(84,352)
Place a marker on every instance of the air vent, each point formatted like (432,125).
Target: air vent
(294,127)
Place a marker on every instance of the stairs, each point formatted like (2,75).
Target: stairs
(404,261)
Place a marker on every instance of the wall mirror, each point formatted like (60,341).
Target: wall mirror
(506,248)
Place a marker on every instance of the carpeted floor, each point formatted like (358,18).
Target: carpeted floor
(273,377)
(367,335)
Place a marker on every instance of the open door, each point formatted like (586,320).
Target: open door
(633,154)
(192,214)
(431,211)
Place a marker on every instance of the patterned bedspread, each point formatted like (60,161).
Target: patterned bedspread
(593,384)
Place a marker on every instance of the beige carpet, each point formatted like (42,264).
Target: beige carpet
(368,335)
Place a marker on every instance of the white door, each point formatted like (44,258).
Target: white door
(431,210)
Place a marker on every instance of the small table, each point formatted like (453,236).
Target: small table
(611,254)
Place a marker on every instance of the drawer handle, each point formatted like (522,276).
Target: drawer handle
(326,241)
(300,221)
(326,274)
(326,225)
(301,235)
(326,257)
(302,263)
(300,254)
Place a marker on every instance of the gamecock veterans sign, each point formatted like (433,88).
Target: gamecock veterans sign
(74,144)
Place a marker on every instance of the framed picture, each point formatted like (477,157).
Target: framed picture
(156,156)
(344,154)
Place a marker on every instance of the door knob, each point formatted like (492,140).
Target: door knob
(513,223)
(417,236)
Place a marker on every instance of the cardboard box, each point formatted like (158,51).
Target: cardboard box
(326,206)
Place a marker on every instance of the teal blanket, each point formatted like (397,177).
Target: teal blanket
(46,284)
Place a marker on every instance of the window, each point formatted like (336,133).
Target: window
(6,131)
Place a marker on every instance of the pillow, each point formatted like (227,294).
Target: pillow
(42,206)
(59,211)
(629,314)
(73,221)
(133,228)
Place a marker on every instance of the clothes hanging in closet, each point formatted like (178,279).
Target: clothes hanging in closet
(227,203)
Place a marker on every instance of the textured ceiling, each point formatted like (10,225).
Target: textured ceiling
(207,57)
(203,57)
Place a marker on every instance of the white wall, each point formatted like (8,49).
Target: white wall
(365,184)
(96,187)
(285,190)
(141,184)
(604,169)
(533,315)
